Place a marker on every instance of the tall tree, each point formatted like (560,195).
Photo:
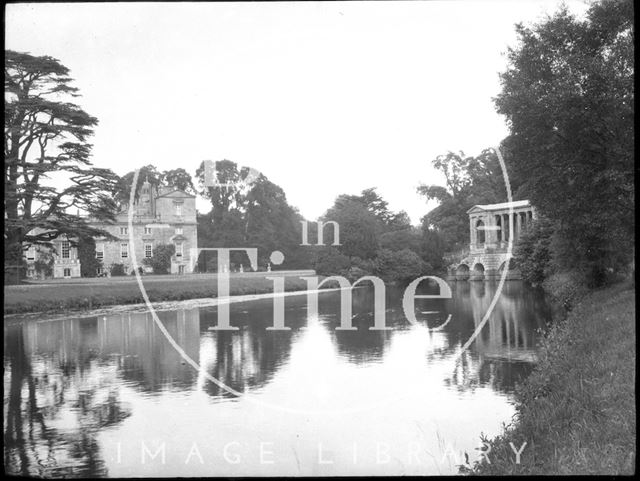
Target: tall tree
(360,229)
(379,207)
(468,181)
(148,173)
(46,135)
(568,97)
(249,211)
(179,179)
(223,197)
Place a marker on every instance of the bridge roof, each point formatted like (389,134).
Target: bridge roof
(503,206)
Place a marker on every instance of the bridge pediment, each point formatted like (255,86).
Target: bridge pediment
(475,209)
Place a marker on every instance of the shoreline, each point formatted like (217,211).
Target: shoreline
(579,402)
(161,305)
(63,297)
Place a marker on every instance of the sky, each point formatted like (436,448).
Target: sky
(323,98)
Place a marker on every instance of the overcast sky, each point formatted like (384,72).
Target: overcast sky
(323,98)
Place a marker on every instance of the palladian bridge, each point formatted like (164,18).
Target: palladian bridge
(490,232)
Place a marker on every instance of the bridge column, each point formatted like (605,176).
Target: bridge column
(508,227)
(472,232)
(490,236)
(505,226)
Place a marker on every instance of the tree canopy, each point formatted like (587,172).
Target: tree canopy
(568,98)
(254,214)
(46,135)
(469,181)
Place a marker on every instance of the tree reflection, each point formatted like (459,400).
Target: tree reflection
(40,394)
(246,359)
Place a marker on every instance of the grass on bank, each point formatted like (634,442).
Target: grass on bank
(577,410)
(63,297)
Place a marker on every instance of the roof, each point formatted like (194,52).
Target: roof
(503,206)
(174,193)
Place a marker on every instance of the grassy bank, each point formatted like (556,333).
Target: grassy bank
(97,293)
(577,410)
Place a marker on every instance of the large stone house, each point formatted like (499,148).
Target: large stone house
(162,215)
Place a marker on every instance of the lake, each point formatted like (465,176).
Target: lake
(108,395)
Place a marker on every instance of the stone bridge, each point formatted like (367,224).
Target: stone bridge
(490,229)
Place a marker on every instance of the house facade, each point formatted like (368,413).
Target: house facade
(161,215)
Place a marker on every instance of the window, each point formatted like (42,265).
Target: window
(31,273)
(99,271)
(124,250)
(147,231)
(99,251)
(178,207)
(179,249)
(67,272)
(124,230)
(31,253)
(66,247)
(178,230)
(148,250)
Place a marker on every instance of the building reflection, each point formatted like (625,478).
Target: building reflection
(504,351)
(60,390)
(142,353)
(53,413)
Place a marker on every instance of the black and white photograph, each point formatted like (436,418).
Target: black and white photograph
(319,239)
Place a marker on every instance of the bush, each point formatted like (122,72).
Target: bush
(44,263)
(533,252)
(566,287)
(365,265)
(89,264)
(329,262)
(399,266)
(117,270)
(161,260)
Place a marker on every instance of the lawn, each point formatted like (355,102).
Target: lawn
(577,410)
(69,294)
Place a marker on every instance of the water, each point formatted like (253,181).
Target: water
(109,396)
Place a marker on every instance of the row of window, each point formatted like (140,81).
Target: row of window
(148,250)
(66,250)
(124,250)
(147,231)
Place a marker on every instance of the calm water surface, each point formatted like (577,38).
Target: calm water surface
(109,396)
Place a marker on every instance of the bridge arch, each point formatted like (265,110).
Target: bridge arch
(512,265)
(478,272)
(462,272)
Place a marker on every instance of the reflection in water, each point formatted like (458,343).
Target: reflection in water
(77,387)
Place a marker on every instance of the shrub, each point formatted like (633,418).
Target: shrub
(354,273)
(399,266)
(117,270)
(44,263)
(533,252)
(89,264)
(365,265)
(566,287)
(329,262)
(161,260)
